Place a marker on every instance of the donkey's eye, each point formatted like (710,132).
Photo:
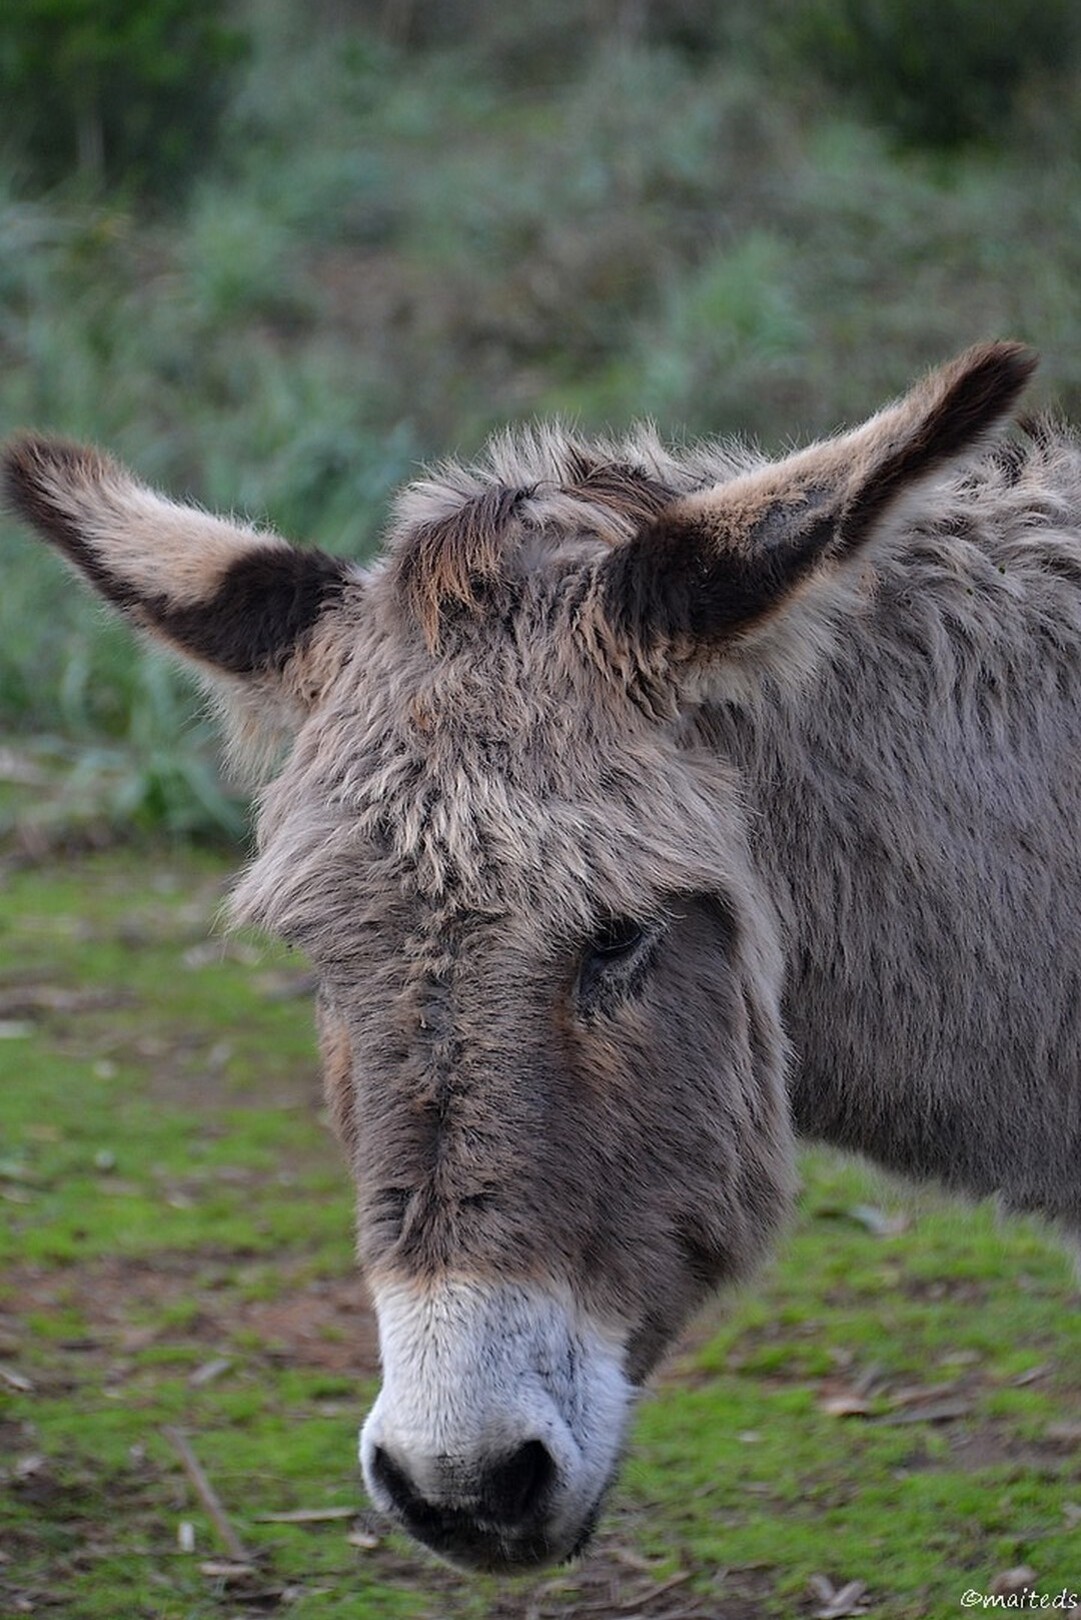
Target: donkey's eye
(618,938)
(612,959)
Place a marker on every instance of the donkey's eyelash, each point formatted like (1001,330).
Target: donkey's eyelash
(615,960)
(619,937)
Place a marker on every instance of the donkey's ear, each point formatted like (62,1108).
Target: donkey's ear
(716,565)
(232,599)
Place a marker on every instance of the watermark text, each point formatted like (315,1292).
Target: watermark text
(1065,1602)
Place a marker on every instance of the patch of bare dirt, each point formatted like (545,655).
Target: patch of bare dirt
(324,1324)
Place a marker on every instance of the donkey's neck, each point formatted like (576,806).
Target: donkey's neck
(916,814)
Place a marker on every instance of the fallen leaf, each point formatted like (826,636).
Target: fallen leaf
(1012,1582)
(921,1394)
(847,1404)
(222,1570)
(878,1221)
(16,1170)
(868,1381)
(209,1371)
(633,1560)
(307,1515)
(16,1380)
(960,1358)
(1031,1375)
(838,1602)
(934,1412)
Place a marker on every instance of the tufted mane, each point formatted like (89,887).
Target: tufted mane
(461,530)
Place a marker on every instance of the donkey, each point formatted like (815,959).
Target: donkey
(640,812)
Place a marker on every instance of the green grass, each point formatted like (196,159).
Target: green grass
(172,1199)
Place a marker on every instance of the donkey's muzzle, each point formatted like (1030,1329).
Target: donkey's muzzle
(498,1427)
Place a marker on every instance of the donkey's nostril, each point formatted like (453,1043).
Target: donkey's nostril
(394,1480)
(512,1490)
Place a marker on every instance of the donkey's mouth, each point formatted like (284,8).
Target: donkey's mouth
(482,1548)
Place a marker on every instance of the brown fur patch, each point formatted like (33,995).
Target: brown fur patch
(453,559)
(450,560)
(627,491)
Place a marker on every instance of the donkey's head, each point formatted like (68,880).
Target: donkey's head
(550,971)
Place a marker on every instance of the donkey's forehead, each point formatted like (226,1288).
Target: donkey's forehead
(482,787)
(465,780)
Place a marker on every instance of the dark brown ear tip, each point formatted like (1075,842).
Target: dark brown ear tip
(32,461)
(1008,364)
(20,473)
(977,389)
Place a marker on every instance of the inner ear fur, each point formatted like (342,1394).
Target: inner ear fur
(232,598)
(716,564)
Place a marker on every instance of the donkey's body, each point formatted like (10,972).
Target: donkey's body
(641,809)
(927,867)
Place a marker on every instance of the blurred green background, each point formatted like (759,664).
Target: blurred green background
(276,255)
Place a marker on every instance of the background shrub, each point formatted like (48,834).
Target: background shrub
(420,222)
(936,73)
(120,91)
